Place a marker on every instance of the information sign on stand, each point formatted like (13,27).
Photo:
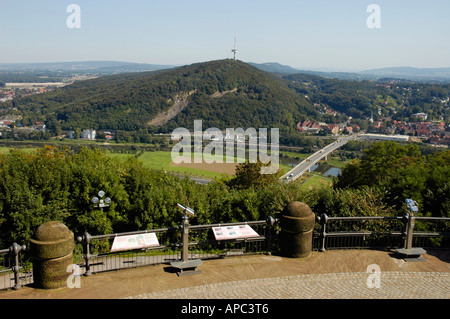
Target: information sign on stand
(234,232)
(134,242)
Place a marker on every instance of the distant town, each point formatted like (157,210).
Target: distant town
(14,90)
(435,132)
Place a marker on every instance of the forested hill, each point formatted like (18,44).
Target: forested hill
(384,98)
(223,93)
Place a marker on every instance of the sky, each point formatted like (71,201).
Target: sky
(304,34)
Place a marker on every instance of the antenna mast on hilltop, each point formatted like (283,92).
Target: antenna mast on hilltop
(234,49)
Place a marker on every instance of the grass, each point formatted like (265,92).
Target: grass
(301,156)
(160,160)
(316,180)
(5,150)
(163,160)
(336,162)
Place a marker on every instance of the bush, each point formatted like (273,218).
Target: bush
(52,184)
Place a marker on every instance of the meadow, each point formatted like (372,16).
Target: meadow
(5,150)
(163,160)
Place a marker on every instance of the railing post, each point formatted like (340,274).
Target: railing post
(323,220)
(405,221)
(14,251)
(85,240)
(270,221)
(410,231)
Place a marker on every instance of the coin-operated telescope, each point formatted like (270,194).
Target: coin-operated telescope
(187,210)
(412,205)
(409,252)
(186,266)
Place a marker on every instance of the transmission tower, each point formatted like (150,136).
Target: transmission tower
(234,49)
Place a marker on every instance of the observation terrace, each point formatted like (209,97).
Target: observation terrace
(250,268)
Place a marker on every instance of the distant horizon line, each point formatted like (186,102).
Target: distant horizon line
(305,68)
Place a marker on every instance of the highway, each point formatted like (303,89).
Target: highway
(307,163)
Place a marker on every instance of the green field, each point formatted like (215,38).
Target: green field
(314,180)
(162,160)
(300,156)
(5,150)
(336,162)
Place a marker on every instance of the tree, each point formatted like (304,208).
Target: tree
(53,125)
(437,188)
(248,175)
(403,172)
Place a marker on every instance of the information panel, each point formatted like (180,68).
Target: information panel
(134,242)
(234,232)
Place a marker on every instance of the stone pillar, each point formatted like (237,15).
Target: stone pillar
(52,248)
(297,223)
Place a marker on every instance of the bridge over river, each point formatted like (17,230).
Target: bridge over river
(308,163)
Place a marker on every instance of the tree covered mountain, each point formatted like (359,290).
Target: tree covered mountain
(223,93)
(388,98)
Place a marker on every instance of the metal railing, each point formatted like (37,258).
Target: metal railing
(97,256)
(437,232)
(93,253)
(12,272)
(381,232)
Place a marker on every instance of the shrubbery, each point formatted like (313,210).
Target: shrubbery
(400,172)
(53,184)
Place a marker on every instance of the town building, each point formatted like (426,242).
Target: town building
(422,116)
(88,134)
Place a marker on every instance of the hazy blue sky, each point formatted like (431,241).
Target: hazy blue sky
(299,33)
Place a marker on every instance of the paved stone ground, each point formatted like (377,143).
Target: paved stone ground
(333,274)
(392,285)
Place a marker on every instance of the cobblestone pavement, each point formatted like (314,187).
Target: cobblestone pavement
(396,285)
(334,274)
